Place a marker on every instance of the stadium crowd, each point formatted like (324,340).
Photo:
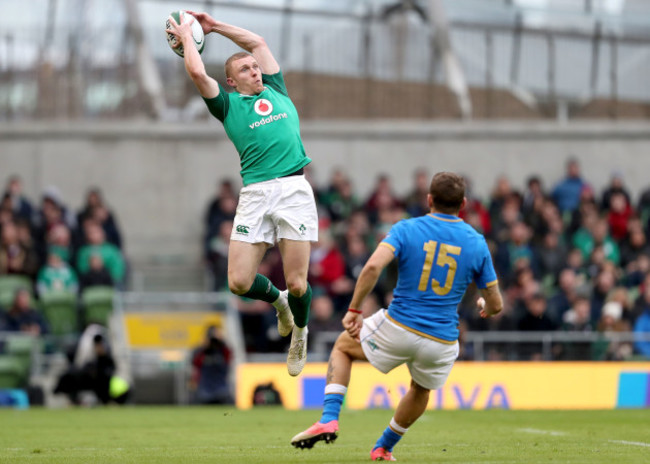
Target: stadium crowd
(568,259)
(48,249)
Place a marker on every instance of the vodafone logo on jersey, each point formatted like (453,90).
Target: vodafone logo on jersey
(263,107)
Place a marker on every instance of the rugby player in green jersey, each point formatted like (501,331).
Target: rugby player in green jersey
(276,204)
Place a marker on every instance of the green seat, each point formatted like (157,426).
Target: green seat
(12,374)
(22,346)
(98,304)
(8,286)
(60,310)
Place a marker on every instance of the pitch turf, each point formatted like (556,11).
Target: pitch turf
(172,435)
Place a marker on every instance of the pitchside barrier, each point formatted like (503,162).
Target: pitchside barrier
(471,385)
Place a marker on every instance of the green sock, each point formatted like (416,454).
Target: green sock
(262,289)
(300,307)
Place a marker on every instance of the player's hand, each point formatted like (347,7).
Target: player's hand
(352,322)
(205,20)
(184,29)
(480,304)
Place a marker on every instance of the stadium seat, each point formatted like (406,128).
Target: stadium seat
(11,372)
(21,347)
(60,310)
(8,286)
(98,304)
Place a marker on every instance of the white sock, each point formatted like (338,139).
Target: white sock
(336,388)
(277,304)
(300,332)
(396,427)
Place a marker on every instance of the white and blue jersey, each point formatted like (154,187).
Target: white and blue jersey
(439,255)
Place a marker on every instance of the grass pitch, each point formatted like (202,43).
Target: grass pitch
(173,435)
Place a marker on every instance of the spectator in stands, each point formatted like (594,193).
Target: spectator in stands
(642,302)
(6,213)
(533,197)
(475,205)
(22,317)
(535,319)
(604,283)
(341,201)
(576,262)
(566,193)
(634,245)
(500,193)
(56,276)
(211,364)
(20,205)
(544,219)
(515,251)
(598,236)
(16,257)
(327,266)
(222,207)
(356,254)
(550,256)
(110,254)
(382,197)
(642,327)
(565,297)
(97,275)
(54,211)
(416,200)
(218,256)
(609,348)
(577,319)
(323,318)
(615,186)
(59,242)
(620,212)
(97,210)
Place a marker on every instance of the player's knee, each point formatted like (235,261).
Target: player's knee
(238,285)
(296,286)
(419,389)
(348,345)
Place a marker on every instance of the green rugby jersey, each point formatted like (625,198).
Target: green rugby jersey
(264,128)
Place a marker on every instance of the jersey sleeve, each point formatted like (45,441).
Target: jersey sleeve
(394,239)
(485,275)
(218,106)
(276,82)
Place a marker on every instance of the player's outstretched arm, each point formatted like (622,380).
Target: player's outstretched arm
(491,302)
(367,280)
(207,86)
(249,41)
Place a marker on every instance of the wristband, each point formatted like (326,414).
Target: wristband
(352,310)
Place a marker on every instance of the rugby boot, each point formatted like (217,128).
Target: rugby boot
(380,454)
(297,353)
(317,432)
(283,311)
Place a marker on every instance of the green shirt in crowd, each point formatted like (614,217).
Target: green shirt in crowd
(56,279)
(110,254)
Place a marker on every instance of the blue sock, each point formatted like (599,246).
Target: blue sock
(388,439)
(331,407)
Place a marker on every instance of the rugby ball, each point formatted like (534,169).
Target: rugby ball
(197,32)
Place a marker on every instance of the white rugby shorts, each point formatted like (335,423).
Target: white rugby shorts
(387,345)
(274,209)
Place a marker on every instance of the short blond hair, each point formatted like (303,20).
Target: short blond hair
(235,57)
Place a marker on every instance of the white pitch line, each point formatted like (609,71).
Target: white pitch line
(633,443)
(555,433)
